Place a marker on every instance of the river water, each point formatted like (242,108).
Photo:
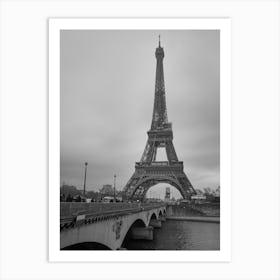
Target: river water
(180,235)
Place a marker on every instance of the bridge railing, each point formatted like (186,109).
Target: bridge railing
(76,208)
(72,209)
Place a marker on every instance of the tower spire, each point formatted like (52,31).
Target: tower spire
(159,41)
(159,119)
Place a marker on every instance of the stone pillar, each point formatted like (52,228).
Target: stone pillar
(155,223)
(169,211)
(142,233)
(162,219)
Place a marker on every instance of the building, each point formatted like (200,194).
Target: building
(107,190)
(69,190)
(167,194)
(198,197)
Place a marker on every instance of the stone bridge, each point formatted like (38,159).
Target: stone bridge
(107,225)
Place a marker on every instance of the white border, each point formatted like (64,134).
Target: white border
(55,25)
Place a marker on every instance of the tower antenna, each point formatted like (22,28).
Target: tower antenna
(159,40)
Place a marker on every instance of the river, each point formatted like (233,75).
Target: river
(180,235)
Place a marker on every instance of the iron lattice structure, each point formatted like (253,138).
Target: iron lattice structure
(149,172)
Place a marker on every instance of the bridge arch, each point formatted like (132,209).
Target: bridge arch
(137,223)
(86,246)
(126,236)
(153,217)
(147,182)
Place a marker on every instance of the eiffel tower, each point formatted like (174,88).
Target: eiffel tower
(149,172)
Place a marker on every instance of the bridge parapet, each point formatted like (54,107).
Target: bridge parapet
(73,208)
(80,213)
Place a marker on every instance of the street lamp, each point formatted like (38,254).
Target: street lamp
(85,178)
(115,188)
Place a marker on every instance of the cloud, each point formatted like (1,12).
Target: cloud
(107,94)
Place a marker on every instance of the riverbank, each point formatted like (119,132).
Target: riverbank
(195,219)
(194,210)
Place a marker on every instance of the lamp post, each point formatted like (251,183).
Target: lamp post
(115,188)
(85,178)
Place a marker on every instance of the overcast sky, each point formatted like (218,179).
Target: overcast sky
(107,95)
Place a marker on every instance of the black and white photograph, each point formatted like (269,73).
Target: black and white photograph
(140,140)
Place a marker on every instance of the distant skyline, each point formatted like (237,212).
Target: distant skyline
(107,95)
